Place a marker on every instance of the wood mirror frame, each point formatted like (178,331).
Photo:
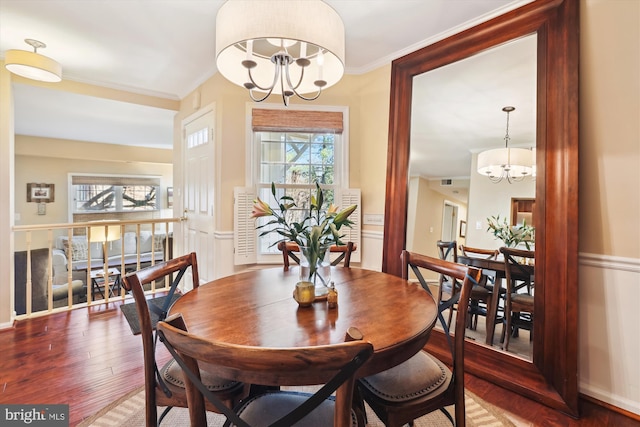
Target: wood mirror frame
(552,376)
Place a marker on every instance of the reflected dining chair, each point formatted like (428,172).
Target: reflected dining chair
(448,285)
(333,365)
(519,300)
(423,383)
(165,386)
(484,293)
(447,251)
(290,250)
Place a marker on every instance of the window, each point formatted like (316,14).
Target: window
(111,194)
(293,149)
(295,161)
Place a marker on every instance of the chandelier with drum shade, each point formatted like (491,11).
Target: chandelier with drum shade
(510,164)
(282,47)
(33,65)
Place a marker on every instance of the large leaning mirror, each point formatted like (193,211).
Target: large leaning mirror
(550,374)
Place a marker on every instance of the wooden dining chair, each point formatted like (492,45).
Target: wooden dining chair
(423,383)
(290,250)
(165,387)
(519,300)
(483,294)
(333,365)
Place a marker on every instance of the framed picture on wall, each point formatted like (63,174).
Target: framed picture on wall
(40,193)
(463,228)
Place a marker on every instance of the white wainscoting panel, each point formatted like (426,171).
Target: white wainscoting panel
(223,254)
(371,255)
(609,330)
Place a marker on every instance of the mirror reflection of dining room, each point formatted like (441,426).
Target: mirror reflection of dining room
(463,204)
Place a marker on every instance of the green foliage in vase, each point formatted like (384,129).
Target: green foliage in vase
(319,229)
(511,236)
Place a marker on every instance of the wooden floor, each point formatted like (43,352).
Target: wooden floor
(88,357)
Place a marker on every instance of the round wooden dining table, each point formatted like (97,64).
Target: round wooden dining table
(256,308)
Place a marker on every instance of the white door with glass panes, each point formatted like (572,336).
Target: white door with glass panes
(198,194)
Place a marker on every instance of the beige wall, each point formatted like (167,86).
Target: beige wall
(609,192)
(425,218)
(368,100)
(610,127)
(6,198)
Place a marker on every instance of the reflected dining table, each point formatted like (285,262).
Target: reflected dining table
(498,268)
(256,308)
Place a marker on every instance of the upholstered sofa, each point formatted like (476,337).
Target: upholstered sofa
(76,254)
(39,280)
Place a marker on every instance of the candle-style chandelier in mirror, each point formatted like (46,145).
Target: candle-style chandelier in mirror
(284,47)
(510,164)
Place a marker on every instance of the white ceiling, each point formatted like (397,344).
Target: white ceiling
(458,108)
(166,48)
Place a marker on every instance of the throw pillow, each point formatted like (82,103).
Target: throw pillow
(130,245)
(158,243)
(145,241)
(77,250)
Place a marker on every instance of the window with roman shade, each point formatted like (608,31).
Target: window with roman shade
(294,149)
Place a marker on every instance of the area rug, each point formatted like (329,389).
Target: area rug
(129,411)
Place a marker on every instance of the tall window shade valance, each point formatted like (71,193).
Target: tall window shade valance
(114,180)
(296,121)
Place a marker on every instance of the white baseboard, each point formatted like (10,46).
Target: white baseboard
(6,325)
(606,396)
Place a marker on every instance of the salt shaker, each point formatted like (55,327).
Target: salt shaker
(332,296)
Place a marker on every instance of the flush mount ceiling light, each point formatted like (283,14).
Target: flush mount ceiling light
(284,47)
(512,164)
(32,65)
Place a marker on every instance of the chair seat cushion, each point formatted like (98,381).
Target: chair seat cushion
(479,292)
(419,376)
(266,408)
(172,374)
(522,299)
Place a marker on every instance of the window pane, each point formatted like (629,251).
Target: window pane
(114,198)
(298,152)
(94,198)
(139,198)
(300,174)
(272,173)
(272,152)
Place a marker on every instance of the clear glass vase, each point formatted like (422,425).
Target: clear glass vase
(315,267)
